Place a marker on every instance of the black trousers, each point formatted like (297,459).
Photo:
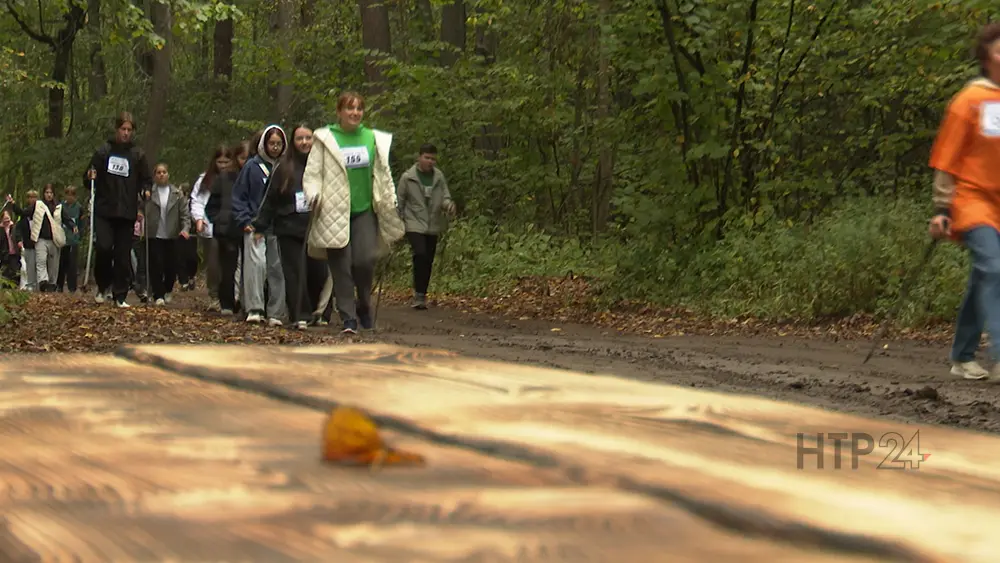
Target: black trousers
(11,267)
(162,266)
(229,254)
(187,260)
(291,250)
(423,248)
(67,267)
(113,247)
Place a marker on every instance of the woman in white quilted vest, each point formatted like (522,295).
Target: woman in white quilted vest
(349,185)
(48,233)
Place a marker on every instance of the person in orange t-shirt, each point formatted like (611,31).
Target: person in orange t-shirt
(966,162)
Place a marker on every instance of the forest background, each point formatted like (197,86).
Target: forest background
(758,159)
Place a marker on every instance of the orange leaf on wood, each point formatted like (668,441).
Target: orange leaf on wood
(351,437)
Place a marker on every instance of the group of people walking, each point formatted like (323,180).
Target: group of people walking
(40,240)
(291,226)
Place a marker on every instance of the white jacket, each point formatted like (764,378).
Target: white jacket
(326,185)
(199,200)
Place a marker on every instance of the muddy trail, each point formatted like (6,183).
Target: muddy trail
(909,381)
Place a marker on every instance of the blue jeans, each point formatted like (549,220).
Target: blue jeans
(981,305)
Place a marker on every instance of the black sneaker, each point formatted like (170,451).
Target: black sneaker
(350,327)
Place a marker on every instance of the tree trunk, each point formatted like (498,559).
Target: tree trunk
(160,16)
(375,36)
(603,177)
(222,39)
(308,13)
(453,31)
(98,73)
(284,90)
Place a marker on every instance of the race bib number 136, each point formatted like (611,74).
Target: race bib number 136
(118,166)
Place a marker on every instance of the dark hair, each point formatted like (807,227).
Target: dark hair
(428,148)
(254,143)
(291,165)
(236,151)
(123,118)
(211,170)
(987,36)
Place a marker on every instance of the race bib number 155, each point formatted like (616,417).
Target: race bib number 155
(355,157)
(118,166)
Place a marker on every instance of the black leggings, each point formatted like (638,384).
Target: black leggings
(229,254)
(291,249)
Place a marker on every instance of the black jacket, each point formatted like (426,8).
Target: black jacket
(278,210)
(123,175)
(219,209)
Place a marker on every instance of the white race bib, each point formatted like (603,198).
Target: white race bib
(355,157)
(989,119)
(301,206)
(118,166)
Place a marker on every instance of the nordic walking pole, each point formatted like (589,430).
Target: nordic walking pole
(90,242)
(902,298)
(381,278)
(303,268)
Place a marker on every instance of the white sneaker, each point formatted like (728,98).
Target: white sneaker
(971,370)
(254,318)
(160,302)
(124,305)
(301,325)
(168,297)
(99,298)
(227,312)
(274,322)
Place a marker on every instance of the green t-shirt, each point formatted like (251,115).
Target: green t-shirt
(358,150)
(426,180)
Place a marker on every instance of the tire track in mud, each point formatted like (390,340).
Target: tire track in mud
(908,382)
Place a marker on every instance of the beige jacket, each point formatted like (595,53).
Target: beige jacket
(326,186)
(944,183)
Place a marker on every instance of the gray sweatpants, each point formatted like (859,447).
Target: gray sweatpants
(353,267)
(29,275)
(46,261)
(262,264)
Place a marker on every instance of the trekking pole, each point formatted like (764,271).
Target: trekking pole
(381,279)
(902,298)
(90,237)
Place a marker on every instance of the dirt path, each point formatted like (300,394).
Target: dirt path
(908,382)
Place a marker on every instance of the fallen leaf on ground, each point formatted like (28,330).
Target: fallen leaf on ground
(351,437)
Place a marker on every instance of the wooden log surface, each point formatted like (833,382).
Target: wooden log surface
(212,454)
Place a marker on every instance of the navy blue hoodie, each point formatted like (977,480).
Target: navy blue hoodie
(250,187)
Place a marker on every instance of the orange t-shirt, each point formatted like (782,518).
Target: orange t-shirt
(968,148)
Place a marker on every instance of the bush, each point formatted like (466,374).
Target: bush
(10,297)
(853,261)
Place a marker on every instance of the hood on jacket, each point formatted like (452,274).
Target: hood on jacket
(262,144)
(985,83)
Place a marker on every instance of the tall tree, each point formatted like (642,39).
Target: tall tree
(376,39)
(61,44)
(98,79)
(453,31)
(155,117)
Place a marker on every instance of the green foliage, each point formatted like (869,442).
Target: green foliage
(10,298)
(854,260)
(776,178)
